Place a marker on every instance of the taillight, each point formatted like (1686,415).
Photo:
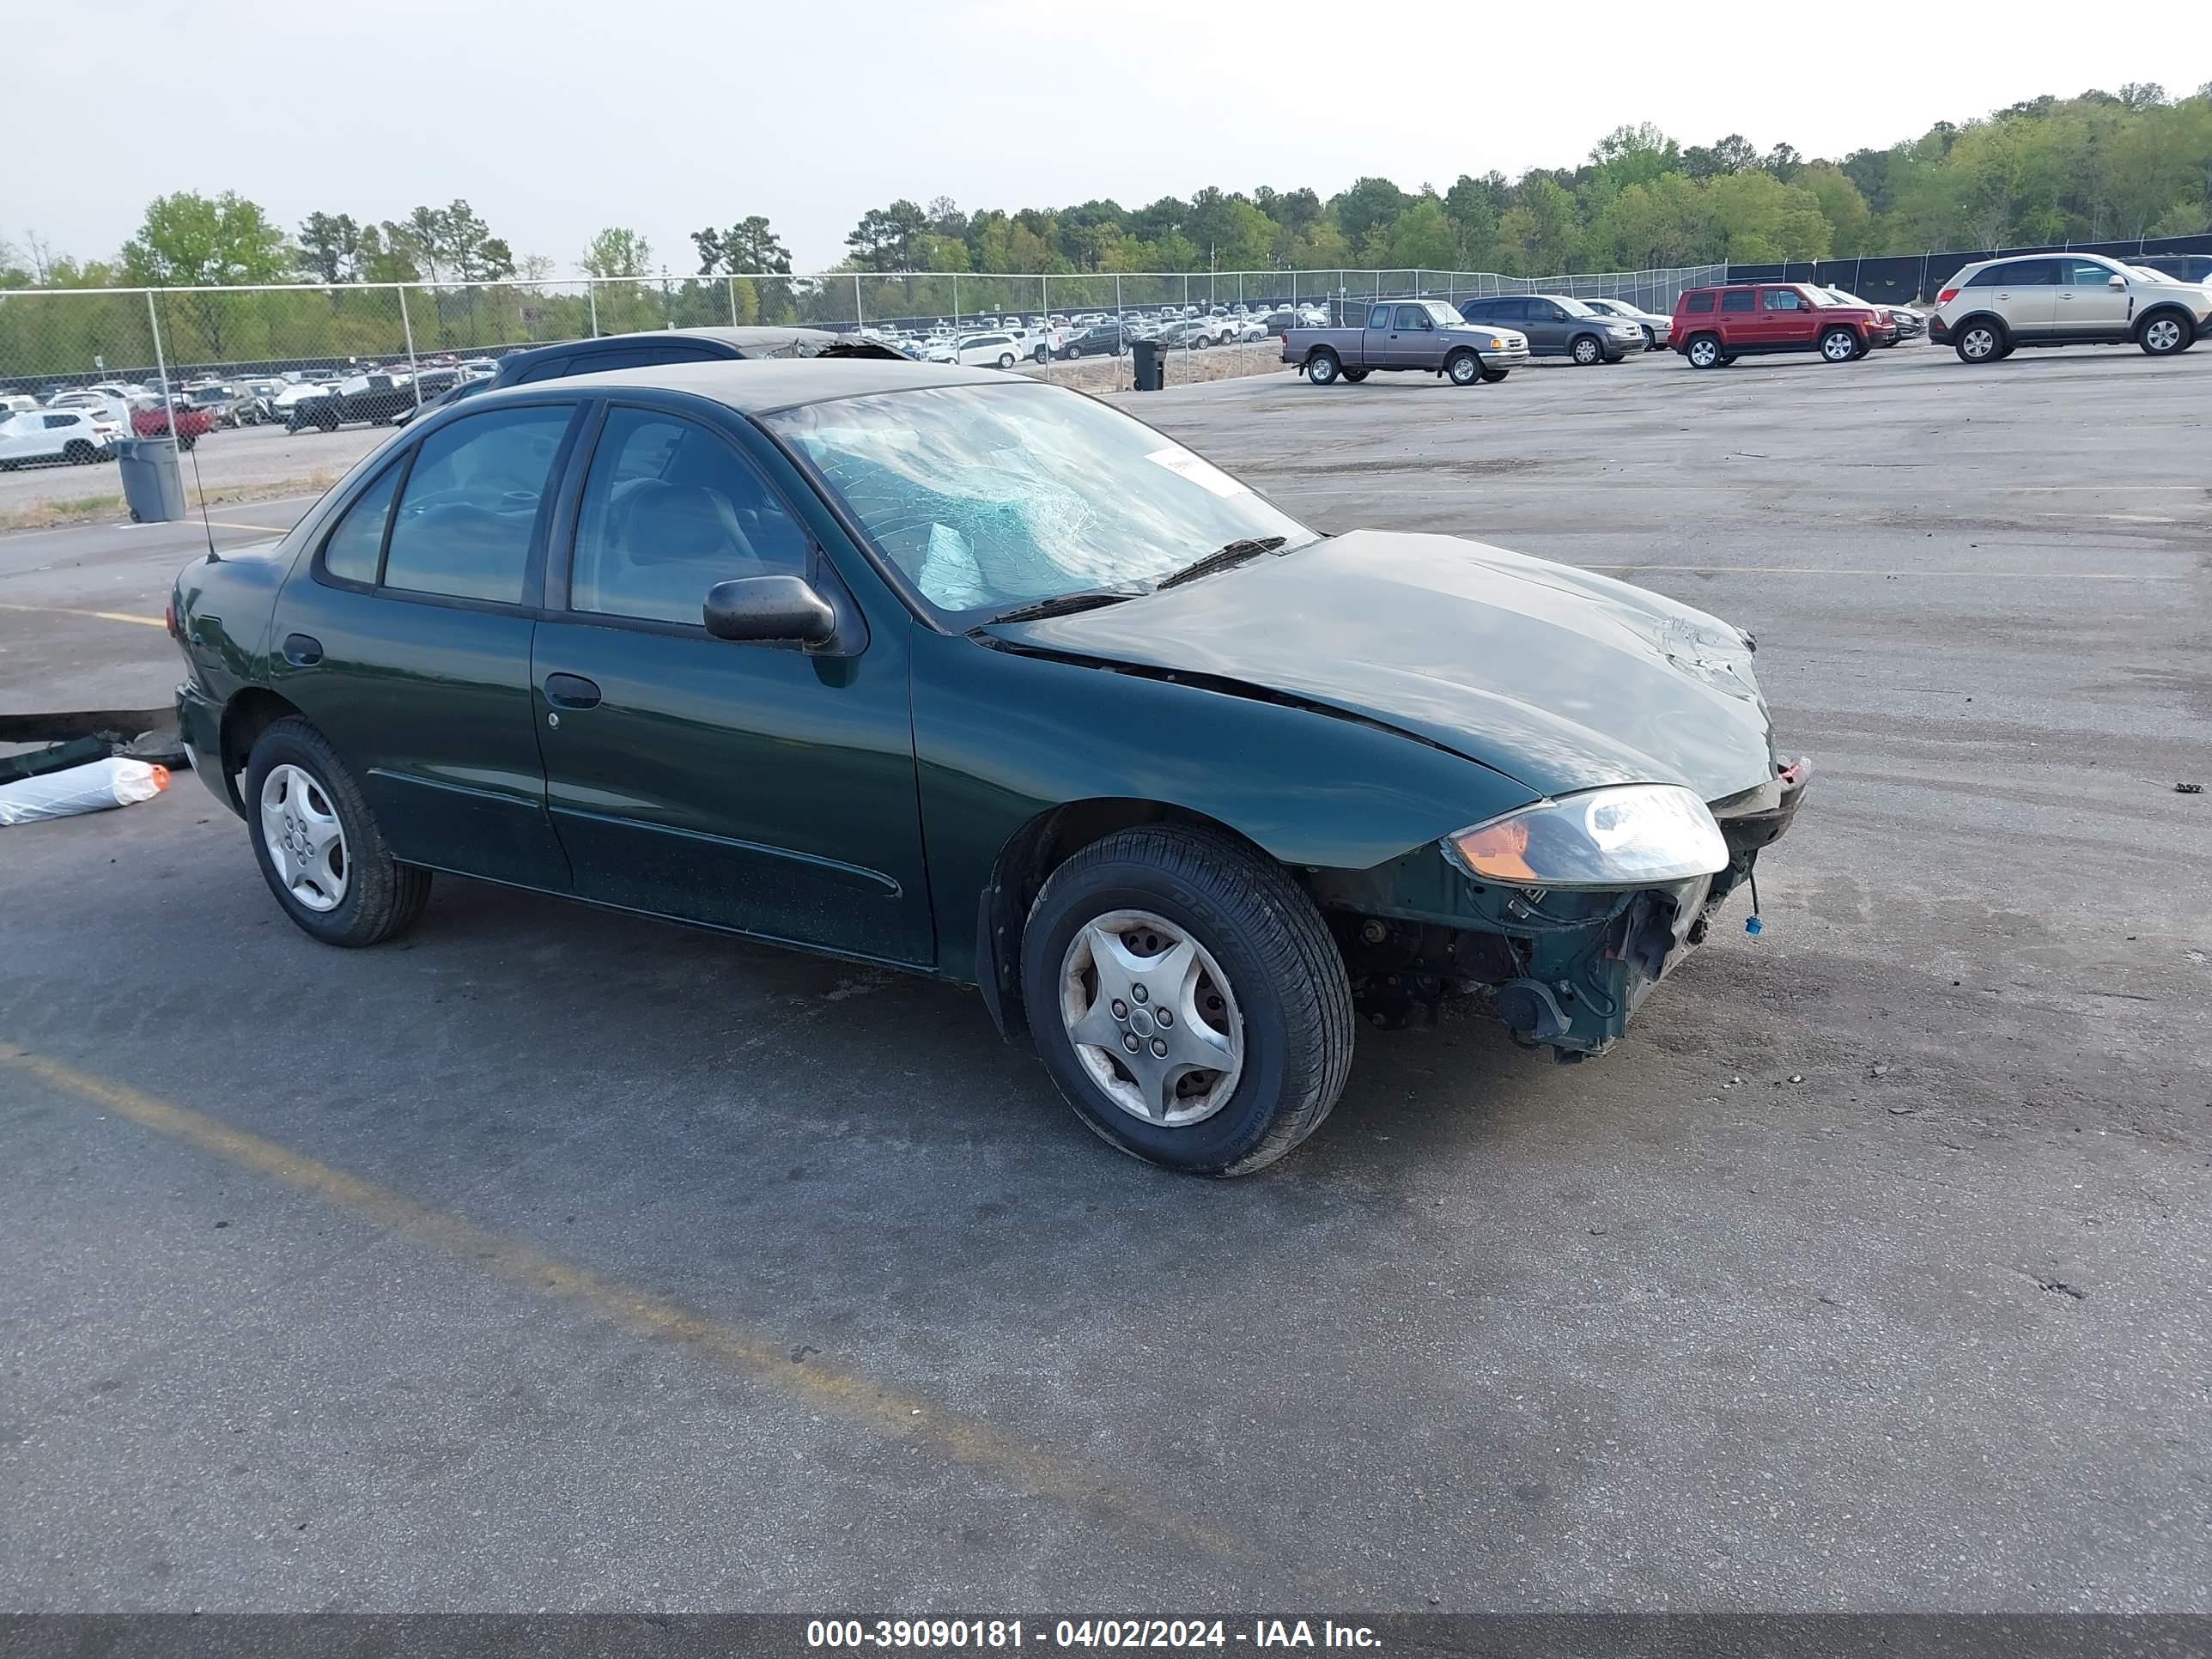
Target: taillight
(1946,296)
(169,621)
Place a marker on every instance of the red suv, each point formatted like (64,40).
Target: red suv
(1716,325)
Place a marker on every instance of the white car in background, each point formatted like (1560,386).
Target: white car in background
(993,349)
(44,436)
(297,393)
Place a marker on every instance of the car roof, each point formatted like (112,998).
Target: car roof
(759,384)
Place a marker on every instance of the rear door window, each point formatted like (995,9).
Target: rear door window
(2022,273)
(354,550)
(468,510)
(1737,299)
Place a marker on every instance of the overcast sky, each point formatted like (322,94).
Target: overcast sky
(556,120)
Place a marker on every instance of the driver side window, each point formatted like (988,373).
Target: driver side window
(669,510)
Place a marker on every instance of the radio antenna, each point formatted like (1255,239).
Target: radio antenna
(214,557)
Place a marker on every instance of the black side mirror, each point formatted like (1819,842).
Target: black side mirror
(770,608)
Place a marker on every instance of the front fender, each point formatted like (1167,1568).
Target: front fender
(1002,735)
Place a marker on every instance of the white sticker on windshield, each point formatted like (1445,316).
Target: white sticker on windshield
(1201,472)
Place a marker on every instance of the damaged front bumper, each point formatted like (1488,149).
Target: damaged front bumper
(1566,969)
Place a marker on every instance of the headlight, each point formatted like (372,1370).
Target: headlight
(1497,345)
(1636,834)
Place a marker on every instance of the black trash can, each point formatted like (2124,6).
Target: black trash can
(153,487)
(1152,364)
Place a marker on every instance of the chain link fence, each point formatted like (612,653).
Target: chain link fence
(82,369)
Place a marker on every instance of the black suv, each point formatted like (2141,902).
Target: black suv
(667,345)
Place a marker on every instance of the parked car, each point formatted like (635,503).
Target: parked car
(1248,328)
(1906,323)
(794,666)
(226,405)
(993,350)
(1426,335)
(1716,325)
(1557,325)
(151,418)
(1655,328)
(1099,340)
(2185,267)
(44,436)
(16,403)
(1991,309)
(1186,333)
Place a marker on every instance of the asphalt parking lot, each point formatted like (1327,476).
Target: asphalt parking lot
(552,1259)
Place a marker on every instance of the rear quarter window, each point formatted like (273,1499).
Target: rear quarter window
(1699,301)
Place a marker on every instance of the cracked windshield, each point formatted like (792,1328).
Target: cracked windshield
(987,496)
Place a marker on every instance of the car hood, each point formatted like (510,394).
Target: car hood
(1558,679)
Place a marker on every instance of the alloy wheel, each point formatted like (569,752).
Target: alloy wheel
(1839,347)
(2163,335)
(305,841)
(1586,350)
(1979,343)
(1151,1019)
(1703,353)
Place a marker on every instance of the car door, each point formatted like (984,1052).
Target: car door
(2024,293)
(1787,320)
(1412,337)
(1547,326)
(406,636)
(754,787)
(20,436)
(2085,305)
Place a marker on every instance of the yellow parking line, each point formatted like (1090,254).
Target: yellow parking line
(96,615)
(871,1404)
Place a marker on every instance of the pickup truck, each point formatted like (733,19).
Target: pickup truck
(1400,334)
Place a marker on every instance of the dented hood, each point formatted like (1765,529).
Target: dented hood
(1558,679)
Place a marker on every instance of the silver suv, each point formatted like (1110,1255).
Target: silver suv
(2070,299)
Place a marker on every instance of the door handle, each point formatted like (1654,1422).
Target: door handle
(302,650)
(571,692)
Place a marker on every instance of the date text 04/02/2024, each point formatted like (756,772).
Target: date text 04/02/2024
(1116,1633)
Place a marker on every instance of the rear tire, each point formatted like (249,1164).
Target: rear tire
(1492,376)
(78,452)
(1355,375)
(378,896)
(1006,360)
(1260,982)
(1704,351)
(1322,367)
(1981,341)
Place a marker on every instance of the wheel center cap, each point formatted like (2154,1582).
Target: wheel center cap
(1140,1022)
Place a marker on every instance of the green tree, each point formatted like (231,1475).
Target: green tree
(888,238)
(1370,204)
(330,245)
(749,246)
(617,252)
(187,240)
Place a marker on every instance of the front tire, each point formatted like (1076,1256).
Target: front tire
(1704,351)
(1839,345)
(1586,350)
(319,846)
(1465,369)
(2166,334)
(1650,340)
(1256,1043)
(1006,360)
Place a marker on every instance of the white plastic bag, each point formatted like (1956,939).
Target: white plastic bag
(88,788)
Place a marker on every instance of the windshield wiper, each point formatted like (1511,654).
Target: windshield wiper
(1063,605)
(1221,558)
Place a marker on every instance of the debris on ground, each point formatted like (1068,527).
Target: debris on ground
(2188,789)
(92,787)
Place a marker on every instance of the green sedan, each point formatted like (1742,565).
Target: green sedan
(970,675)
